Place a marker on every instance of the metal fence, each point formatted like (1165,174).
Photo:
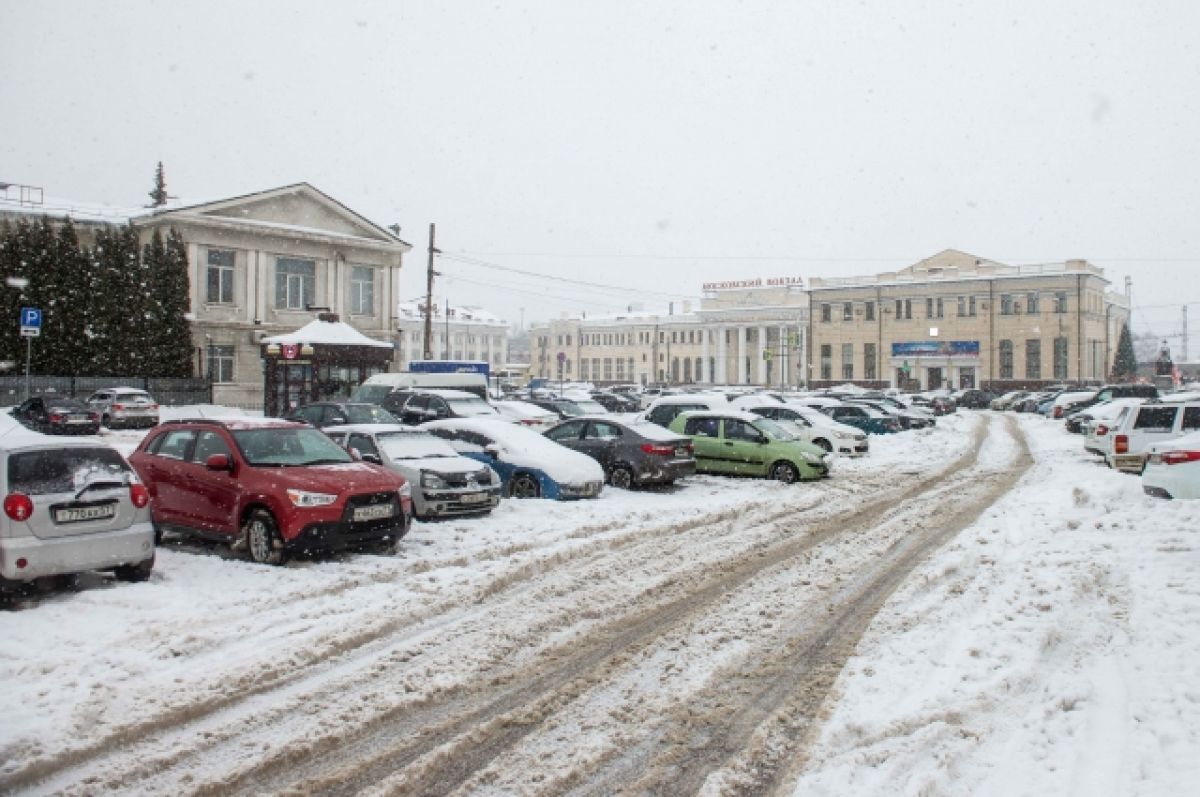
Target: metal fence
(168,392)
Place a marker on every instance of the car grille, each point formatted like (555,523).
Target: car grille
(482,478)
(581,490)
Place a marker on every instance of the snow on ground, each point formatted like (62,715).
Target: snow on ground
(1051,649)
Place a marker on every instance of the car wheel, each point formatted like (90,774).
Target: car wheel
(621,477)
(262,538)
(784,472)
(158,532)
(524,486)
(138,572)
(106,421)
(823,444)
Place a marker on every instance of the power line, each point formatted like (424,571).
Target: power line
(624,289)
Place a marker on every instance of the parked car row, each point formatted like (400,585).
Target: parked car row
(111,407)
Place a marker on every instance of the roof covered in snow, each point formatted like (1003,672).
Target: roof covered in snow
(327,333)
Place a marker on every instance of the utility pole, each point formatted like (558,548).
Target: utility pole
(429,295)
(1184,358)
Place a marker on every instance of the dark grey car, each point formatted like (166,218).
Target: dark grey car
(631,454)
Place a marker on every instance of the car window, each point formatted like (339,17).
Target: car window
(363,444)
(288,447)
(702,427)
(312,414)
(63,470)
(368,414)
(1156,418)
(737,429)
(598,430)
(208,443)
(568,431)
(338,437)
(176,443)
(417,403)
(1191,419)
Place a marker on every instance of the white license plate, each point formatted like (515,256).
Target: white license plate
(681,452)
(76,514)
(474,498)
(374,512)
(79,419)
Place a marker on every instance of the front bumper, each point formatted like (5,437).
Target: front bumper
(451,502)
(61,555)
(1129,463)
(580,490)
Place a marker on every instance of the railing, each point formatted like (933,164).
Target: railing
(166,391)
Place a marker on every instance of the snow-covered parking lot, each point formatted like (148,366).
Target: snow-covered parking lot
(980,608)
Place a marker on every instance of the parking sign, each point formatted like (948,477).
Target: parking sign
(31,322)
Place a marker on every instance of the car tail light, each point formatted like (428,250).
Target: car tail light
(56,417)
(152,407)
(1177,457)
(1101,430)
(18,506)
(93,416)
(1057,412)
(139,495)
(118,406)
(661,449)
(1121,444)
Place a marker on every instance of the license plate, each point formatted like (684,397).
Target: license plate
(76,514)
(374,512)
(681,452)
(474,498)
(78,419)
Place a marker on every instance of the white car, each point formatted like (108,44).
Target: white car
(1101,419)
(526,414)
(1173,468)
(1147,425)
(530,465)
(809,425)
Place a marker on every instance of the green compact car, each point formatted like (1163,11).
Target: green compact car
(740,443)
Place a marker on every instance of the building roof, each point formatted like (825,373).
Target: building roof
(327,333)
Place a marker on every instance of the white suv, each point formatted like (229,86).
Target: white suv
(1146,425)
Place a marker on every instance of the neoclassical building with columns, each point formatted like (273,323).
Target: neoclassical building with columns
(951,320)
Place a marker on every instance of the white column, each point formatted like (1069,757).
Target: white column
(801,355)
(722,356)
(762,362)
(741,356)
(702,374)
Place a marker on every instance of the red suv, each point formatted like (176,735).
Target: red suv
(272,486)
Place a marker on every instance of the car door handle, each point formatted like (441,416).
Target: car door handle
(728,442)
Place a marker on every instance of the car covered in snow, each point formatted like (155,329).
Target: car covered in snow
(124,407)
(444,483)
(809,425)
(270,486)
(530,465)
(70,506)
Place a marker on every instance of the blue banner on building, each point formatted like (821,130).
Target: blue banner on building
(936,348)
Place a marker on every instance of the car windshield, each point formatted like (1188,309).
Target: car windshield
(288,447)
(410,445)
(368,413)
(773,430)
(65,405)
(64,470)
(371,394)
(471,406)
(590,407)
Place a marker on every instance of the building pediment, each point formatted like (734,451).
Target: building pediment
(298,208)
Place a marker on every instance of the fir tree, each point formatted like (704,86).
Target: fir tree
(1125,363)
(158,195)
(167,283)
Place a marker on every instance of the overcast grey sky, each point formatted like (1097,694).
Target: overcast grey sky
(649,146)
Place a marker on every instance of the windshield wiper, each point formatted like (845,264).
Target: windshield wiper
(105,484)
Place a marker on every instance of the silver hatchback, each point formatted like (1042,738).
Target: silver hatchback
(124,406)
(70,506)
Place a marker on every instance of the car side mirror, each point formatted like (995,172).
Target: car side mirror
(374,459)
(218,462)
(338,420)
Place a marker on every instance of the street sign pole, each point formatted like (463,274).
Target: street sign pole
(31,327)
(28,357)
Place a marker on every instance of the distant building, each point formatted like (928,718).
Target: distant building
(457,333)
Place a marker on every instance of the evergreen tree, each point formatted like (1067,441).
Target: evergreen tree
(158,194)
(170,349)
(13,238)
(62,288)
(1125,363)
(116,306)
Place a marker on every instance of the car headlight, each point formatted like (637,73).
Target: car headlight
(487,476)
(812,459)
(844,435)
(405,490)
(432,481)
(304,498)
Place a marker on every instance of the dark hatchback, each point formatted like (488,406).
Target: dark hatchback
(631,454)
(338,413)
(57,415)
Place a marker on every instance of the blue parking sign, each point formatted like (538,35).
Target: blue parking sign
(31,317)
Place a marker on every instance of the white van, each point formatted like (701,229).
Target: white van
(377,387)
(1146,425)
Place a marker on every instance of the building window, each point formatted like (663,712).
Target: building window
(1031,303)
(1060,358)
(970,305)
(620,369)
(847,311)
(1006,304)
(869,361)
(962,306)
(220,276)
(929,308)
(1006,359)
(1060,302)
(939,307)
(1033,359)
(362,290)
(608,370)
(908,309)
(847,361)
(826,361)
(583,370)
(220,363)
(826,313)
(295,283)
(870,308)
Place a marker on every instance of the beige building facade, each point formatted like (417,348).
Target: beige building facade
(457,333)
(955,320)
(951,320)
